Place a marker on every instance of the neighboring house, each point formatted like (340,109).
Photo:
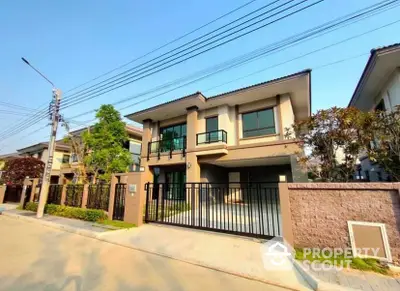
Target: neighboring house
(40,151)
(377,89)
(235,137)
(133,145)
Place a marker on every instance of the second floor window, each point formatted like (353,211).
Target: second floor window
(212,129)
(258,123)
(172,137)
(65,159)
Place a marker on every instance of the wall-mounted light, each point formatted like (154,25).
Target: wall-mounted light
(189,165)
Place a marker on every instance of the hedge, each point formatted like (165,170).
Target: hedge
(70,212)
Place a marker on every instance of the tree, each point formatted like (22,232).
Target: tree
(382,140)
(105,143)
(333,138)
(16,170)
(79,150)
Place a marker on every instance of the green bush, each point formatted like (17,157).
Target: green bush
(70,212)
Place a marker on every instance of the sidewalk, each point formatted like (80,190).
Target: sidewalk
(81,227)
(358,280)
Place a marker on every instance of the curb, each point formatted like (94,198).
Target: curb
(318,284)
(66,228)
(100,237)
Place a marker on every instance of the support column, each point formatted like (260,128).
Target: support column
(286,215)
(146,138)
(27,182)
(85,195)
(192,166)
(135,198)
(114,181)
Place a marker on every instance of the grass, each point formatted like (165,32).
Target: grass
(116,223)
(363,264)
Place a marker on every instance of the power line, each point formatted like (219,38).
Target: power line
(163,46)
(276,47)
(15,106)
(188,43)
(140,76)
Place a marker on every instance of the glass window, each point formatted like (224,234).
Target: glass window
(65,159)
(211,124)
(173,131)
(258,123)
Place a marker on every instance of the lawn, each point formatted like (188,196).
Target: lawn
(116,223)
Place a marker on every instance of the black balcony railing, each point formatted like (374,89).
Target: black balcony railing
(211,137)
(167,145)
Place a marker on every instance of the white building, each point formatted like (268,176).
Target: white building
(378,89)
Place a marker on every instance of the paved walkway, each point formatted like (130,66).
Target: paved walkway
(359,280)
(35,257)
(224,252)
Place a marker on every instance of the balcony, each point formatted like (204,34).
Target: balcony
(211,137)
(167,145)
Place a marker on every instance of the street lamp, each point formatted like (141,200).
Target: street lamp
(49,163)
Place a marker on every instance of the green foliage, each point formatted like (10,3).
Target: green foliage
(105,142)
(382,140)
(116,223)
(332,140)
(16,170)
(70,212)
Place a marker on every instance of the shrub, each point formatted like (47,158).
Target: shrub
(70,212)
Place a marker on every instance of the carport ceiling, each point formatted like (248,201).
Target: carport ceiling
(285,160)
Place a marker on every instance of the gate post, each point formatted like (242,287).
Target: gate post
(113,182)
(35,182)
(287,232)
(63,194)
(2,192)
(85,195)
(27,182)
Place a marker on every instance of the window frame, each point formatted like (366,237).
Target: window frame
(258,123)
(63,158)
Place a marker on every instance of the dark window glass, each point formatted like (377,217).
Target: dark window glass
(258,123)
(65,159)
(212,129)
(171,136)
(380,106)
(211,124)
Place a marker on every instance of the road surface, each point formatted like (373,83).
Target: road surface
(35,257)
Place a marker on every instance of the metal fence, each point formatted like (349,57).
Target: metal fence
(74,194)
(119,202)
(98,196)
(250,209)
(13,193)
(55,192)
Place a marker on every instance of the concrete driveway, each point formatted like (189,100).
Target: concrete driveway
(35,257)
(229,253)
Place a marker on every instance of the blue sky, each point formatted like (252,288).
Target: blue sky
(75,41)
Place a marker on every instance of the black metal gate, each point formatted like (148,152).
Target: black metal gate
(13,193)
(98,196)
(119,202)
(55,192)
(249,209)
(74,195)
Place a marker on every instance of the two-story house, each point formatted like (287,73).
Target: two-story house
(40,151)
(377,89)
(235,137)
(134,143)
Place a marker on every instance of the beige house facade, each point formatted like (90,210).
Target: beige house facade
(235,137)
(377,89)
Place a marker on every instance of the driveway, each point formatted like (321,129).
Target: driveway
(35,257)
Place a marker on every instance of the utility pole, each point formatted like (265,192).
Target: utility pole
(55,118)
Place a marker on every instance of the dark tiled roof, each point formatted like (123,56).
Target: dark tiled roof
(374,52)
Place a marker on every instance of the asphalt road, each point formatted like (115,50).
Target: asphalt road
(35,257)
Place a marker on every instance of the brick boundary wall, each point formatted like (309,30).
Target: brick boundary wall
(320,211)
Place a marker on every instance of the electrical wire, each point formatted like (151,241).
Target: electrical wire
(173,62)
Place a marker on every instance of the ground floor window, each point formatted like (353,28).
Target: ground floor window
(175,183)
